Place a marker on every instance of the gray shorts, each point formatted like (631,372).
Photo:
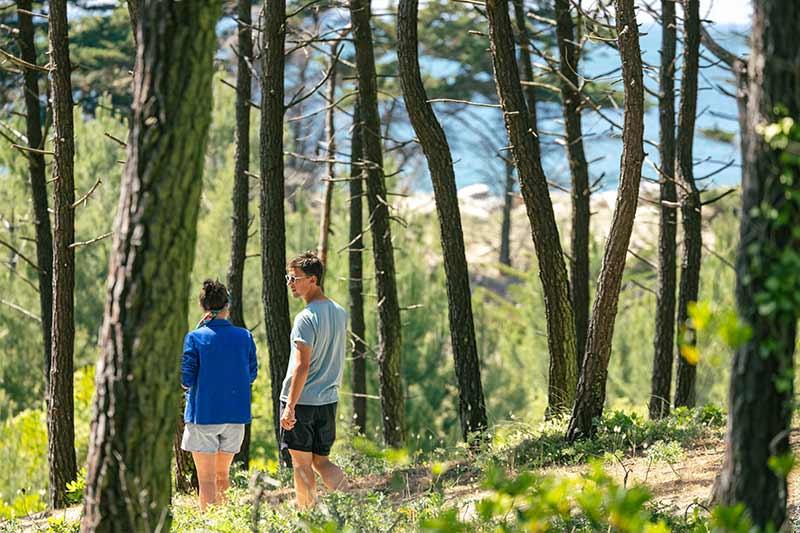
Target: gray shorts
(212,438)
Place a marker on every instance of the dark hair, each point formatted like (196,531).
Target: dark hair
(310,264)
(213,295)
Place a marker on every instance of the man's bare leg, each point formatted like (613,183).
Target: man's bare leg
(206,477)
(222,470)
(305,483)
(332,476)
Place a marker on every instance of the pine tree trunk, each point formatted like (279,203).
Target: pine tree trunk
(526,67)
(355,278)
(569,55)
(434,144)
(591,393)
(128,486)
(664,340)
(330,132)
(533,185)
(505,224)
(38,179)
(186,481)
(389,334)
(273,223)
(761,398)
(60,410)
(240,217)
(688,290)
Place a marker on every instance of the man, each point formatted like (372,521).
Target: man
(310,390)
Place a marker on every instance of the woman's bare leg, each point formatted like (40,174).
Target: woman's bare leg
(206,477)
(223,467)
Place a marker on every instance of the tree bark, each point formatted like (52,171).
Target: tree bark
(505,224)
(330,132)
(389,333)
(761,397)
(38,179)
(133,13)
(526,66)
(433,140)
(273,222)
(569,55)
(664,340)
(186,480)
(127,487)
(60,409)
(355,278)
(591,393)
(533,185)
(688,290)
(240,218)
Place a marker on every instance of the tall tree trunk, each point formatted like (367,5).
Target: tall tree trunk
(389,333)
(760,405)
(569,55)
(505,224)
(526,66)
(533,185)
(591,393)
(664,340)
(36,168)
(472,409)
(127,487)
(685,393)
(355,277)
(186,480)
(133,13)
(60,410)
(241,186)
(273,223)
(330,131)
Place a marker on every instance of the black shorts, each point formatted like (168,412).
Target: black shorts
(314,431)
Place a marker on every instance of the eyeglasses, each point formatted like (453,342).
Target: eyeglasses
(291,278)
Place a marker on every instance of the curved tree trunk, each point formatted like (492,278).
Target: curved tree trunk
(533,185)
(685,393)
(38,179)
(240,217)
(389,334)
(437,151)
(761,398)
(330,132)
(273,222)
(591,393)
(127,487)
(355,278)
(569,55)
(60,410)
(664,340)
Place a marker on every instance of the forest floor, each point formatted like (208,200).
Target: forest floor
(676,486)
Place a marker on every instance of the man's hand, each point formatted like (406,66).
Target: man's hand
(287,418)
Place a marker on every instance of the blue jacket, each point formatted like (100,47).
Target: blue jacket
(219,364)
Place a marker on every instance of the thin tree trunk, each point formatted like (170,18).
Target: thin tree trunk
(241,186)
(664,340)
(533,185)
(330,131)
(505,224)
(685,393)
(273,223)
(591,393)
(133,13)
(38,179)
(389,334)
(186,480)
(569,54)
(526,66)
(127,487)
(761,398)
(60,410)
(434,144)
(355,277)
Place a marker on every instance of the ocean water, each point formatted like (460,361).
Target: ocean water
(475,144)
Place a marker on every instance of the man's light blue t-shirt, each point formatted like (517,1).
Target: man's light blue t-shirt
(323,326)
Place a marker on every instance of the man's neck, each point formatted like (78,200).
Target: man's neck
(314,296)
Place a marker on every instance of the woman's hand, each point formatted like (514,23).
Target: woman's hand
(287,418)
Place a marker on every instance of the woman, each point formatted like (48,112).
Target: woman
(219,365)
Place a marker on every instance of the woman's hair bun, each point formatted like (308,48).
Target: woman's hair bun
(214,295)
